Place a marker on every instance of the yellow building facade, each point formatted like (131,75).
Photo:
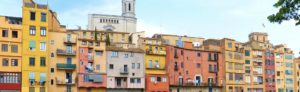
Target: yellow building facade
(10,53)
(155,60)
(284,70)
(35,50)
(63,61)
(234,65)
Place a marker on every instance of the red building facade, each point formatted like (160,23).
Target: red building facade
(194,68)
(270,85)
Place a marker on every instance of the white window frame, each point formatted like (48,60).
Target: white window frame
(43,46)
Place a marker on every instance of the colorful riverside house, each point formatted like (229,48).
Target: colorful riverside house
(10,53)
(126,72)
(63,60)
(284,69)
(35,52)
(270,85)
(169,39)
(234,71)
(258,42)
(193,70)
(92,61)
(297,76)
(155,65)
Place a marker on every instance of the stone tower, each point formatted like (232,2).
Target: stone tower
(128,8)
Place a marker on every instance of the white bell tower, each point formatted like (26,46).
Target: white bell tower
(128,8)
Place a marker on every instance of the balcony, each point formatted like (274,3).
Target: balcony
(65,52)
(192,84)
(124,71)
(64,81)
(213,71)
(66,66)
(70,41)
(95,80)
(90,45)
(151,52)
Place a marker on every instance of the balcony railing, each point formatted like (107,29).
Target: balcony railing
(124,71)
(213,71)
(65,52)
(151,52)
(64,81)
(66,66)
(195,84)
(70,41)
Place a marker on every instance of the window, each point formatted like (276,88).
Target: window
(52,70)
(198,65)
(4,33)
(152,79)
(278,73)
(230,76)
(14,48)
(14,62)
(43,17)
(52,54)
(52,82)
(4,61)
(150,64)
(32,30)
(158,79)
(43,61)
(99,53)
(133,65)
(138,65)
(247,61)
(42,78)
(131,80)
(52,42)
(229,45)
(14,34)
(126,55)
(98,67)
(89,90)
(164,79)
(43,46)
(247,53)
(198,54)
(4,47)
(111,66)
(210,68)
(31,61)
(114,54)
(31,89)
(32,16)
(43,31)
(131,54)
(42,89)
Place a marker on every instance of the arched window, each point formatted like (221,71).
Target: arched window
(129,7)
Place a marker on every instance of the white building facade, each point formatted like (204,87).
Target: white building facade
(124,23)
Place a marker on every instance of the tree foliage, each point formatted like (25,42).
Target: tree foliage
(288,10)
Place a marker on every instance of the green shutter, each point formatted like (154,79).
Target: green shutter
(247,53)
(42,77)
(247,61)
(31,76)
(32,44)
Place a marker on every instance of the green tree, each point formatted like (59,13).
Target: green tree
(288,10)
